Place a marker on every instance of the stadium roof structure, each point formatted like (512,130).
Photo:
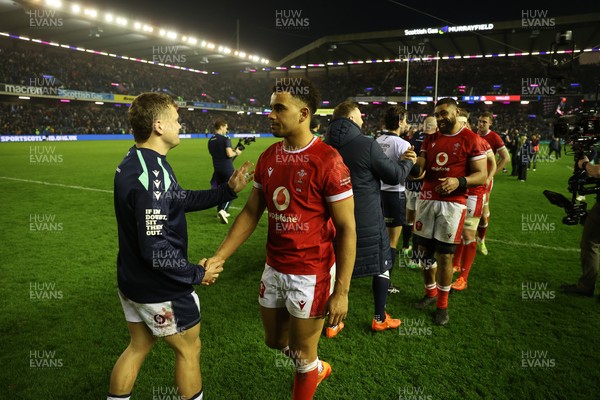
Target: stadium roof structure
(37,19)
(522,37)
(76,26)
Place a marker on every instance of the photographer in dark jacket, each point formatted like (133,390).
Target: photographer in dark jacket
(590,242)
(368,166)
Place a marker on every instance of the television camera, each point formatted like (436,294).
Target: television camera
(582,132)
(245,141)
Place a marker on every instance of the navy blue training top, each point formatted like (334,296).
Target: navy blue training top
(150,207)
(216,146)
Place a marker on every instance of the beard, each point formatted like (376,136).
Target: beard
(446,125)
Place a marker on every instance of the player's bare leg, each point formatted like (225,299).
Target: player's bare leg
(429,276)
(302,337)
(444,269)
(129,363)
(482,228)
(467,257)
(276,323)
(186,346)
(410,220)
(444,281)
(304,340)
(394,233)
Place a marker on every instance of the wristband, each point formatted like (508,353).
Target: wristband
(462,182)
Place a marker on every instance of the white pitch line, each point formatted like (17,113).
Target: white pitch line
(537,246)
(71,186)
(57,184)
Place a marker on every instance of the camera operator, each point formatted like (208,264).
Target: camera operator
(590,241)
(222,154)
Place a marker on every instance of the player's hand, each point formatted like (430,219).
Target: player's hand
(447,186)
(241,177)
(410,155)
(337,307)
(212,268)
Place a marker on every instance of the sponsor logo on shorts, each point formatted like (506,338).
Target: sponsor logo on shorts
(163,317)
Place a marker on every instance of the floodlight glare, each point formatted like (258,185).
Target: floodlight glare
(54,3)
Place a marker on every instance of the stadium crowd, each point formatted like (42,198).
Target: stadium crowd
(82,118)
(31,64)
(27,63)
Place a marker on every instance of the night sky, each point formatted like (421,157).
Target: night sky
(216,20)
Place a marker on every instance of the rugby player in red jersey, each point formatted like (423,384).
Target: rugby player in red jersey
(306,189)
(484,122)
(465,252)
(453,160)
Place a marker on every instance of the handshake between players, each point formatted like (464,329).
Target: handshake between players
(239,179)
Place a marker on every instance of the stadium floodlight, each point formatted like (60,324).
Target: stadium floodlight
(162,32)
(210,45)
(137,25)
(90,12)
(242,54)
(75,8)
(121,21)
(172,35)
(54,3)
(148,28)
(109,17)
(192,40)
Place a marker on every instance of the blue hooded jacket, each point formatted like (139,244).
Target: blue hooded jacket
(368,166)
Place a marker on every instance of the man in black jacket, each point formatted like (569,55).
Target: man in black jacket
(368,166)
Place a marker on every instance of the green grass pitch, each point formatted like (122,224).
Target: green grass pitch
(512,333)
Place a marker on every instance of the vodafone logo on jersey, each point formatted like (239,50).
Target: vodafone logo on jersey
(441,159)
(281,198)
